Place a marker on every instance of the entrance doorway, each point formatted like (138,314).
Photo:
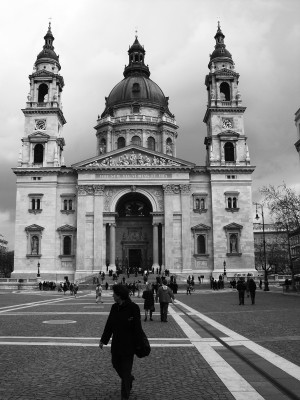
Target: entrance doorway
(135,258)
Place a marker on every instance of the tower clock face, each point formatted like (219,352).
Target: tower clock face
(40,124)
(227,123)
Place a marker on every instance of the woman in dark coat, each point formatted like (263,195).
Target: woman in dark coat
(124,325)
(149,301)
(241,287)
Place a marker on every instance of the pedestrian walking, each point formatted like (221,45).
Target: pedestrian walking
(98,293)
(148,301)
(260,284)
(241,287)
(75,290)
(252,290)
(189,288)
(165,296)
(124,325)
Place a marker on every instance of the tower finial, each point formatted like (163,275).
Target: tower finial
(136,32)
(49,27)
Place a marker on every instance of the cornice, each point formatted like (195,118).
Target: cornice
(42,110)
(130,168)
(43,171)
(219,110)
(247,169)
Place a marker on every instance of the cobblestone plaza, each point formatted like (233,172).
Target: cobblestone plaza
(49,348)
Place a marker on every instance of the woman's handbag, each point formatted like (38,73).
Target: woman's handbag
(142,348)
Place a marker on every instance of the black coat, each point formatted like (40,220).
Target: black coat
(124,325)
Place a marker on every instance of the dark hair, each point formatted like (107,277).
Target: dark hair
(122,291)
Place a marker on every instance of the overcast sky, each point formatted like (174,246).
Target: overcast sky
(92,38)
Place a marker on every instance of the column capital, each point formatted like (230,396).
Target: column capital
(171,189)
(98,190)
(84,190)
(185,189)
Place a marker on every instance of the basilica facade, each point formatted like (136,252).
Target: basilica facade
(134,204)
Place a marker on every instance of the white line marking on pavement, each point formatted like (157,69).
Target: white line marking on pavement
(85,344)
(235,383)
(278,361)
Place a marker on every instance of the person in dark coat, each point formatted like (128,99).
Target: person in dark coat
(148,301)
(241,287)
(252,290)
(124,325)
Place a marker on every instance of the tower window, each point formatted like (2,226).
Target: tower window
(38,154)
(121,142)
(151,143)
(135,109)
(67,203)
(43,92)
(136,140)
(231,199)
(225,91)
(136,87)
(35,203)
(229,151)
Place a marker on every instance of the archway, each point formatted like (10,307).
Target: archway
(133,233)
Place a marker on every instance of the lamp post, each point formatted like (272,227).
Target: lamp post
(266,283)
(224,263)
(38,266)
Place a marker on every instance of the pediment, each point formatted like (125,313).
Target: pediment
(133,157)
(201,227)
(228,132)
(233,226)
(38,135)
(66,228)
(34,227)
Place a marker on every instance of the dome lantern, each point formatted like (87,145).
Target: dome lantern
(48,52)
(136,60)
(220,54)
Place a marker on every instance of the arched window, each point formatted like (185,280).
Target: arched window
(43,92)
(121,142)
(67,246)
(229,151)
(225,91)
(234,202)
(229,202)
(151,143)
(201,244)
(65,205)
(70,204)
(136,140)
(202,204)
(38,154)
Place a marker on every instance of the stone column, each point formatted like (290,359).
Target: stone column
(185,226)
(98,227)
(163,262)
(81,211)
(155,246)
(168,207)
(112,247)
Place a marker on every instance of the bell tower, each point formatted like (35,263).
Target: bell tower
(226,143)
(42,144)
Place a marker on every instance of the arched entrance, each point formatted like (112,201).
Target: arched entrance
(134,233)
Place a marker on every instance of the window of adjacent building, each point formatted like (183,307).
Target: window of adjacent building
(38,153)
(42,93)
(229,151)
(121,142)
(136,140)
(225,91)
(151,143)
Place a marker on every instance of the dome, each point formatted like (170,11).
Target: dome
(47,53)
(136,89)
(220,52)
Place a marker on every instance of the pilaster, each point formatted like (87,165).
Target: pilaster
(98,227)
(168,207)
(185,226)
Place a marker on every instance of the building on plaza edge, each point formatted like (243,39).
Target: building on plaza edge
(134,203)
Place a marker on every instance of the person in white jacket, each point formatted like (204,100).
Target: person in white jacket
(165,296)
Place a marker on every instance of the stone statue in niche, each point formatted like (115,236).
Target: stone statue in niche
(233,244)
(34,245)
(169,150)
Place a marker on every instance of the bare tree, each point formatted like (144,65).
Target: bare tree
(284,206)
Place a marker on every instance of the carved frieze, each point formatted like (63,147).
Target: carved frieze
(185,189)
(171,189)
(134,159)
(98,190)
(90,190)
